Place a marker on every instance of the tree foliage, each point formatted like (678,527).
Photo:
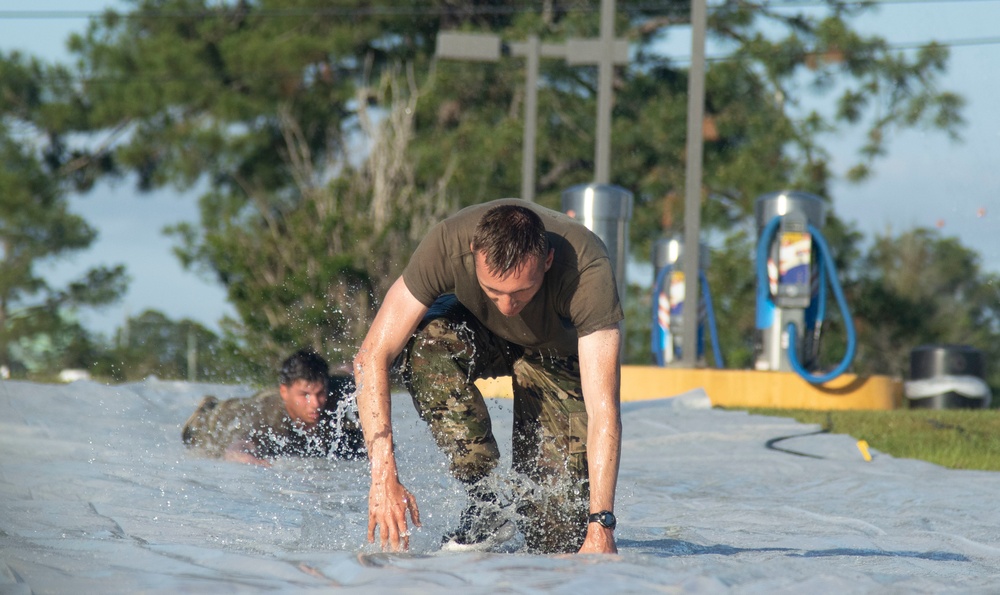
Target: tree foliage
(152,344)
(37,227)
(920,288)
(330,138)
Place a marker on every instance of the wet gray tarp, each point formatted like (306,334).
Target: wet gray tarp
(97,495)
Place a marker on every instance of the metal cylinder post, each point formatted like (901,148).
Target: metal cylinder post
(947,377)
(778,204)
(668,251)
(606,210)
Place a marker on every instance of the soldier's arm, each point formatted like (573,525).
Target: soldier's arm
(242,451)
(600,377)
(388,500)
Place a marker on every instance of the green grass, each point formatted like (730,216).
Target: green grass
(955,438)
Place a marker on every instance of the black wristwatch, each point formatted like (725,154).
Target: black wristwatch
(605,518)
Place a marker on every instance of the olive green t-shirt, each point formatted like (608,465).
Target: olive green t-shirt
(578,296)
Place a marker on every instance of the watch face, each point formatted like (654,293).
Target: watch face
(605,518)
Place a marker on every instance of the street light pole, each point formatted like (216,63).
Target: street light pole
(532,54)
(605,52)
(605,75)
(692,190)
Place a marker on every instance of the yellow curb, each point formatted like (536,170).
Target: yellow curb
(746,388)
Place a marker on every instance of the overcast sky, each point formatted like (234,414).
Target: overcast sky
(925,181)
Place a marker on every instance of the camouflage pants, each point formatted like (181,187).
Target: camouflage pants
(449,351)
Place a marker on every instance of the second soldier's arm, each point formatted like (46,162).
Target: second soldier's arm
(243,451)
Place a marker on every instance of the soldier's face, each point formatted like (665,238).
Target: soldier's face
(512,293)
(303,400)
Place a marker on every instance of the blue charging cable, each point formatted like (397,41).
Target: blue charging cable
(657,334)
(827,274)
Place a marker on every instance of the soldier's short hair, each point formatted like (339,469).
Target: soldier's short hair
(304,364)
(508,235)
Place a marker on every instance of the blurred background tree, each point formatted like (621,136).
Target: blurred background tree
(151,344)
(330,138)
(919,288)
(37,327)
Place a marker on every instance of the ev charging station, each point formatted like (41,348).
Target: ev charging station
(794,270)
(668,305)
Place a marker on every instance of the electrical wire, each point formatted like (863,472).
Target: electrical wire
(852,341)
(353,12)
(713,330)
(770,444)
(658,332)
(417,9)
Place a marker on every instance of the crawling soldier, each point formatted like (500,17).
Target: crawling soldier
(299,418)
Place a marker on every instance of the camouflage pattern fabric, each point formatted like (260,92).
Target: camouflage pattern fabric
(263,423)
(550,448)
(449,351)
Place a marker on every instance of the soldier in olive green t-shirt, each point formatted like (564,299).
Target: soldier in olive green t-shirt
(304,416)
(503,288)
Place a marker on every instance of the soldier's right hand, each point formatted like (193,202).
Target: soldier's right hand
(388,504)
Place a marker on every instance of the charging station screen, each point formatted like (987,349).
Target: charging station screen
(676,294)
(794,258)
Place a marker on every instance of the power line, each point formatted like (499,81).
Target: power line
(428,10)
(258,74)
(346,11)
(30,14)
(916,45)
(953,43)
(807,3)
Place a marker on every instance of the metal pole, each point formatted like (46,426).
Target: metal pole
(604,51)
(692,194)
(605,72)
(192,355)
(530,118)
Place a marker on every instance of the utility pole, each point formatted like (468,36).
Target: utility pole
(605,52)
(532,53)
(605,78)
(692,184)
(192,355)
